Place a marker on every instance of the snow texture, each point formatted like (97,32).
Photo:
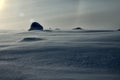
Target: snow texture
(60,55)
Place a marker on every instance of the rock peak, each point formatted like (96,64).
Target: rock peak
(36,26)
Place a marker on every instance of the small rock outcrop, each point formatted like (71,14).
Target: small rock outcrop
(57,28)
(77,28)
(31,39)
(118,29)
(36,26)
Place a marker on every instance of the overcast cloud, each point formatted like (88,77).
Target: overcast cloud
(89,14)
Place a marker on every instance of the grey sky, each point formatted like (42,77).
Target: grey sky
(89,14)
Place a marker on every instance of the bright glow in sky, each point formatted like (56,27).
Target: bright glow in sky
(89,14)
(2,3)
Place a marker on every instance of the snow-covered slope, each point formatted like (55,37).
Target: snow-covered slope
(60,55)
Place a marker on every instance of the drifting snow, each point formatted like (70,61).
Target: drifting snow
(60,55)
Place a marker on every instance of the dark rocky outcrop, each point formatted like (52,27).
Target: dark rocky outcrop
(31,39)
(118,29)
(77,28)
(36,26)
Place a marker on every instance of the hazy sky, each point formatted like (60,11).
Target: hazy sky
(89,14)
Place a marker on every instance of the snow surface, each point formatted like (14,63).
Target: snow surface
(60,55)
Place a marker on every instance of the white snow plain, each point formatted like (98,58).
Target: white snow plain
(60,55)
